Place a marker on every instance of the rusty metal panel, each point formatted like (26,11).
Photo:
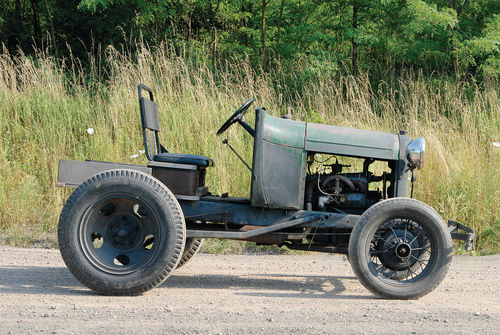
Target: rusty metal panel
(279,163)
(284,174)
(351,142)
(73,173)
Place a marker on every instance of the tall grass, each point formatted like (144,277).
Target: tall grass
(46,106)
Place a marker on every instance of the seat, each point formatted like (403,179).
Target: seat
(168,157)
(150,120)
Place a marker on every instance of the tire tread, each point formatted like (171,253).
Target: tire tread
(356,245)
(67,250)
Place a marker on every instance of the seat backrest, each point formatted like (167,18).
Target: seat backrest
(150,120)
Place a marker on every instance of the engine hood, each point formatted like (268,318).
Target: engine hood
(330,139)
(281,147)
(351,142)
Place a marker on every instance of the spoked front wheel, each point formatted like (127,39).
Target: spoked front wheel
(400,248)
(121,232)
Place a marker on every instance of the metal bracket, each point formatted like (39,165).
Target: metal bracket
(226,142)
(468,237)
(240,235)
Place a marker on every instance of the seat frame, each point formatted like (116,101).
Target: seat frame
(150,120)
(150,131)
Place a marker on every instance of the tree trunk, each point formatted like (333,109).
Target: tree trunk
(353,40)
(18,13)
(213,44)
(16,40)
(189,23)
(53,35)
(37,30)
(458,8)
(453,4)
(263,35)
(279,29)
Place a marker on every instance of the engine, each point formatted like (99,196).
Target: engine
(333,191)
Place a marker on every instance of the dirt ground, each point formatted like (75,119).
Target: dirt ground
(244,294)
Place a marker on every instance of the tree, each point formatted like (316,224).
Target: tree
(263,35)
(443,35)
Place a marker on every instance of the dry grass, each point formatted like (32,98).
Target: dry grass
(46,108)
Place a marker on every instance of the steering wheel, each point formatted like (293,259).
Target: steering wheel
(236,117)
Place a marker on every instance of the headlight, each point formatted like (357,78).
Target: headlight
(415,153)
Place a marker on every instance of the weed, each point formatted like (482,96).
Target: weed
(46,108)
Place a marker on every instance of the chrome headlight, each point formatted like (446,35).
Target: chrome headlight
(415,153)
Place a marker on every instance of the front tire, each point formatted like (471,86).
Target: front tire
(400,249)
(121,232)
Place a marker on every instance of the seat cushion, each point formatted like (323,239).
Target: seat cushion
(183,159)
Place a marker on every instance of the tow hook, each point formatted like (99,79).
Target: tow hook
(467,236)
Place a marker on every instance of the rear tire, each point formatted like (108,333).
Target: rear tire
(121,232)
(193,245)
(400,249)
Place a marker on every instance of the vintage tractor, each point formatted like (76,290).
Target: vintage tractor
(125,228)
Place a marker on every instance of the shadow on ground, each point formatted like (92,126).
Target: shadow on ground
(270,285)
(59,281)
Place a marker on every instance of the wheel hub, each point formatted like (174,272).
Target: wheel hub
(403,250)
(397,249)
(124,231)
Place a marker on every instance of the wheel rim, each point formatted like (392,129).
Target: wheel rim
(401,251)
(120,234)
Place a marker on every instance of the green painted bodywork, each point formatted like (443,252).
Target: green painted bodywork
(330,139)
(279,161)
(283,132)
(280,154)
(351,142)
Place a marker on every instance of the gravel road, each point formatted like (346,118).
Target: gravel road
(245,294)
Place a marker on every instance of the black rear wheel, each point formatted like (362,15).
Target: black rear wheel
(400,248)
(193,245)
(121,232)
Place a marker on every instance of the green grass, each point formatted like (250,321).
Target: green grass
(46,108)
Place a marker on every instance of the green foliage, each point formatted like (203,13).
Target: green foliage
(427,18)
(372,35)
(483,52)
(94,5)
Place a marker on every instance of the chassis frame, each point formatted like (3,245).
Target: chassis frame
(226,214)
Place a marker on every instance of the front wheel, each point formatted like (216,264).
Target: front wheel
(121,232)
(400,249)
